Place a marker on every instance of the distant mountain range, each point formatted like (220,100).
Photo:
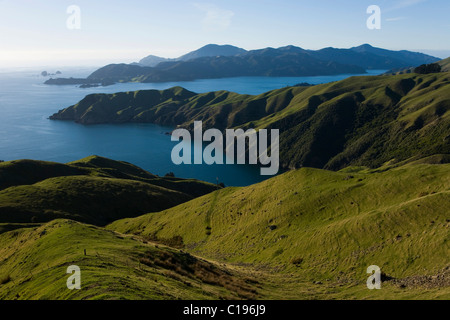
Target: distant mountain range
(365,56)
(215,61)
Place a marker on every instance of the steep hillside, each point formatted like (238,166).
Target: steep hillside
(358,121)
(324,226)
(94,190)
(34,261)
(445,64)
(307,234)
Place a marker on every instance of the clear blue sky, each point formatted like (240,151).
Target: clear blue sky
(35,33)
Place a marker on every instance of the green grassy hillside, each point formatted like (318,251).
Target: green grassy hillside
(365,121)
(94,190)
(34,262)
(323,226)
(312,236)
(445,64)
(306,234)
(358,121)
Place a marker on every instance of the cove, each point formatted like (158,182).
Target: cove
(26,133)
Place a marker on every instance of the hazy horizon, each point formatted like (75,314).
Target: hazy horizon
(95,63)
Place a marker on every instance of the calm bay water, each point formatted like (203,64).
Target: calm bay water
(26,132)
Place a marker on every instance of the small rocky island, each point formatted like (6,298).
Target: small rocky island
(47,74)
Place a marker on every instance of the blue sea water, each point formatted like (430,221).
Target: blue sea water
(26,133)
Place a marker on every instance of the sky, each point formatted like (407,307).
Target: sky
(50,32)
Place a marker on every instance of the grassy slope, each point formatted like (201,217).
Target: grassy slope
(357,121)
(322,225)
(445,64)
(365,121)
(33,264)
(315,251)
(94,190)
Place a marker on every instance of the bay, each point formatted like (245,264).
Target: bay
(27,133)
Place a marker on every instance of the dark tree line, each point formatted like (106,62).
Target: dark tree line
(428,68)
